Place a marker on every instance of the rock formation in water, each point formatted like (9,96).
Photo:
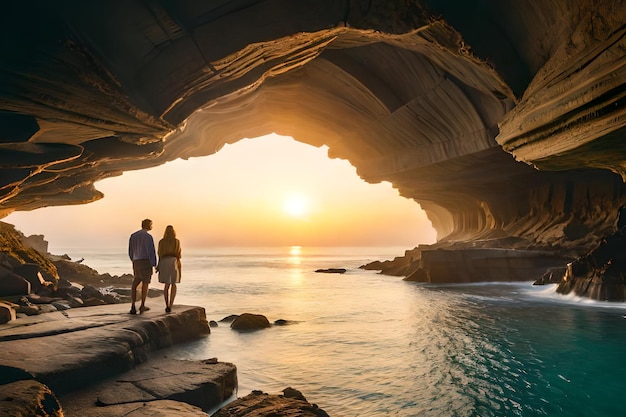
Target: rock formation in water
(503,119)
(258,403)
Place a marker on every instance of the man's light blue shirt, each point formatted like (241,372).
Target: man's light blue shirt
(141,246)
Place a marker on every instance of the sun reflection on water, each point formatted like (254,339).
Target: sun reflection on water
(295,260)
(294,255)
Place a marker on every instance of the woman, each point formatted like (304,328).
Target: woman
(169,266)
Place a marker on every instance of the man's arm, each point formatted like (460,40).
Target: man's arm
(151,251)
(130,248)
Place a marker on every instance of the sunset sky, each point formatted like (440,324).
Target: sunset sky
(270,191)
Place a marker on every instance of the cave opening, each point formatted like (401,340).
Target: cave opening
(266,191)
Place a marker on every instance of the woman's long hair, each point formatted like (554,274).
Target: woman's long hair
(169,245)
(169,233)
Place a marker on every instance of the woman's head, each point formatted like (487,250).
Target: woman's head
(169,232)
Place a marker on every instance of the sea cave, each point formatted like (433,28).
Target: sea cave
(504,120)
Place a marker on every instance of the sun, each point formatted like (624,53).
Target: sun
(296,205)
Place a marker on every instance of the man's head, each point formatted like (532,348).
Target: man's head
(146,224)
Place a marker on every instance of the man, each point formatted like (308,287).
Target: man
(141,251)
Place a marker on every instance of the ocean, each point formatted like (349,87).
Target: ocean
(366,344)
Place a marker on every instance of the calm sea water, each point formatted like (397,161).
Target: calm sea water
(365,344)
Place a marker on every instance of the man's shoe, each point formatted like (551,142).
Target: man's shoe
(168,310)
(143,308)
(133,310)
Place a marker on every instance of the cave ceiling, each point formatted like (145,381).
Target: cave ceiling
(501,118)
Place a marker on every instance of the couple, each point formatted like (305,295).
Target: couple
(142,254)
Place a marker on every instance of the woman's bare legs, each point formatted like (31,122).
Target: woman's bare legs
(166,295)
(172,296)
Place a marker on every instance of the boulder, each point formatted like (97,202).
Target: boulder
(7,261)
(7,312)
(249,321)
(69,291)
(229,318)
(24,306)
(93,301)
(28,398)
(39,299)
(293,393)
(260,404)
(89,291)
(74,272)
(31,273)
(61,305)
(47,308)
(12,284)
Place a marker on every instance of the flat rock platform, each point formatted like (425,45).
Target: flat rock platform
(101,357)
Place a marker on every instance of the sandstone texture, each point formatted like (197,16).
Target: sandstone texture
(503,119)
(196,386)
(28,398)
(157,408)
(260,404)
(102,361)
(67,350)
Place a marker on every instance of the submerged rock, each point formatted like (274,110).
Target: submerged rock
(332,270)
(249,321)
(283,322)
(229,318)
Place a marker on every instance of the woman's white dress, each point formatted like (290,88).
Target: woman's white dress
(168,270)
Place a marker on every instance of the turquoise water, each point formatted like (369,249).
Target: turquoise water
(365,344)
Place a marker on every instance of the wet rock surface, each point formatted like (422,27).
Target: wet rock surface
(599,275)
(249,322)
